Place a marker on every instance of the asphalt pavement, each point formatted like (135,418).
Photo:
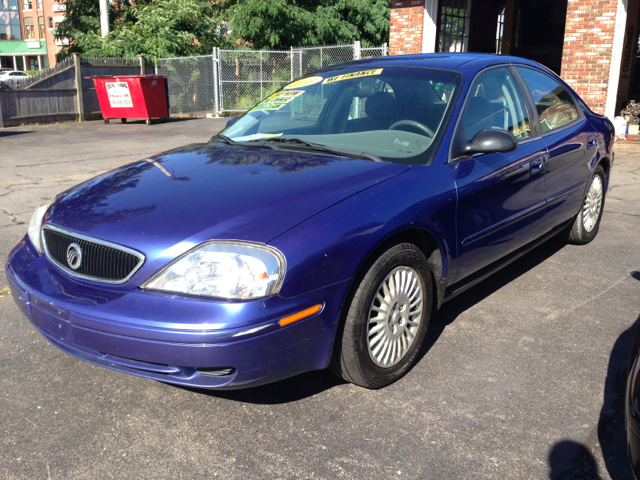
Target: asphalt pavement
(521,377)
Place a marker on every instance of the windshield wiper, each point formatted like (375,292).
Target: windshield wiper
(224,138)
(254,143)
(323,148)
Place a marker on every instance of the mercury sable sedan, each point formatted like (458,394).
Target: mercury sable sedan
(323,228)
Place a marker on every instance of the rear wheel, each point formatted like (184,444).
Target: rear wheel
(587,222)
(385,320)
(123,120)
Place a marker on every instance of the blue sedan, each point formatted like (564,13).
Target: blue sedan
(323,228)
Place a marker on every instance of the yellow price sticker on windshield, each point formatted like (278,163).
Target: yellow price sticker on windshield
(277,100)
(305,82)
(269,106)
(349,76)
(285,95)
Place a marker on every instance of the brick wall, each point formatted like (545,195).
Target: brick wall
(407,20)
(588,45)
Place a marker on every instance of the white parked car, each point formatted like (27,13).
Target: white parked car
(12,75)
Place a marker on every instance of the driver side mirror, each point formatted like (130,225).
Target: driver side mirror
(485,141)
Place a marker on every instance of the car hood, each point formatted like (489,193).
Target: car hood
(164,205)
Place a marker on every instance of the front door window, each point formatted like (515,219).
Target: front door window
(496,103)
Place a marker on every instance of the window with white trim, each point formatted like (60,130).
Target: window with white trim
(455,17)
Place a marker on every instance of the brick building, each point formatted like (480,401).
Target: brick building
(26,33)
(592,44)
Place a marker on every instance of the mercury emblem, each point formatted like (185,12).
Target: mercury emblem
(74,256)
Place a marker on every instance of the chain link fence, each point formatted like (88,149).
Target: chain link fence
(313,58)
(246,77)
(235,80)
(191,84)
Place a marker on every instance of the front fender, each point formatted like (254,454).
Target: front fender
(333,245)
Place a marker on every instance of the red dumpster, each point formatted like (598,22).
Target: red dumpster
(133,96)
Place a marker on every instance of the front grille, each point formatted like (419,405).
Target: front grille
(100,261)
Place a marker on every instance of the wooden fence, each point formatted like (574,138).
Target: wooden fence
(62,92)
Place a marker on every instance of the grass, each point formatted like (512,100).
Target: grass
(5,291)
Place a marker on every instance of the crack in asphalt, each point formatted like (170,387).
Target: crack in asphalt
(14,220)
(621,213)
(610,197)
(12,185)
(621,185)
(553,315)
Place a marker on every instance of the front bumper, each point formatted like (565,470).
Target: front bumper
(173,338)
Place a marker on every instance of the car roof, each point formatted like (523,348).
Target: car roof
(469,62)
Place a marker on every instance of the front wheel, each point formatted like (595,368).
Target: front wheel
(587,222)
(386,319)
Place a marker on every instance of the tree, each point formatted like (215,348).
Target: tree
(281,24)
(175,28)
(81,26)
(155,28)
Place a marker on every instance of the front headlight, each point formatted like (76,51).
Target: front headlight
(35,224)
(229,270)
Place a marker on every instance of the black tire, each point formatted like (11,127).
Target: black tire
(148,121)
(123,120)
(351,357)
(579,234)
(106,121)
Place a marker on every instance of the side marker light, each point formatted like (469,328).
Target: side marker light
(300,315)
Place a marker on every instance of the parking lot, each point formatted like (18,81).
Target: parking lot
(521,377)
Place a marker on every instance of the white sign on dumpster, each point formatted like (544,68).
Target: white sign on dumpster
(119,95)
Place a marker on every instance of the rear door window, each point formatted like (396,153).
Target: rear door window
(555,105)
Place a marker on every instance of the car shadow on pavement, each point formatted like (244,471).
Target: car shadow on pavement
(450,311)
(154,121)
(569,460)
(10,133)
(285,391)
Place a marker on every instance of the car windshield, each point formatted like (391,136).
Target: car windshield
(393,113)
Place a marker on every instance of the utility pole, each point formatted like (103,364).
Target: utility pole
(104,17)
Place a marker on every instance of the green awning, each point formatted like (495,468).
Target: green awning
(17,47)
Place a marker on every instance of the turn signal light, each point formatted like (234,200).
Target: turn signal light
(300,315)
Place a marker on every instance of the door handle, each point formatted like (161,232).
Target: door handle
(537,164)
(591,141)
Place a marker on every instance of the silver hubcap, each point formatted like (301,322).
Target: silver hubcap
(394,316)
(592,204)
